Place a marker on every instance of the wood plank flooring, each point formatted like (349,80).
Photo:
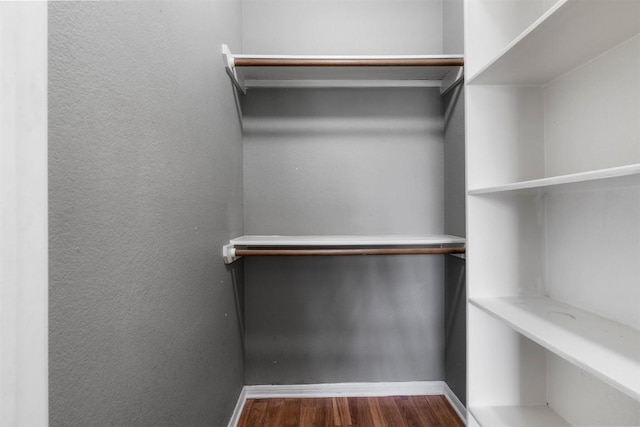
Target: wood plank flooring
(394,411)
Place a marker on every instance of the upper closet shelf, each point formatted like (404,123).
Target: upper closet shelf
(342,245)
(272,71)
(569,34)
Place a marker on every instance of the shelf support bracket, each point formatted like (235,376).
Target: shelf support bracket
(229,253)
(451,80)
(230,67)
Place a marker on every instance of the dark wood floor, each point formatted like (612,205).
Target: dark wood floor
(395,411)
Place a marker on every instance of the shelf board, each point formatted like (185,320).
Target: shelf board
(342,245)
(521,416)
(621,176)
(264,71)
(561,40)
(606,349)
(347,240)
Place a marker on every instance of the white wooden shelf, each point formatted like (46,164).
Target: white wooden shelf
(347,240)
(598,179)
(342,245)
(606,349)
(569,34)
(263,71)
(521,416)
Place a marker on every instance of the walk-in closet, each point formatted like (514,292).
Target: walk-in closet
(320,212)
(347,183)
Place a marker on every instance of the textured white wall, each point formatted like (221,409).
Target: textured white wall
(145,168)
(23,214)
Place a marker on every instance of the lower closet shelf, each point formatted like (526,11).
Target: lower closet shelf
(342,245)
(521,416)
(606,349)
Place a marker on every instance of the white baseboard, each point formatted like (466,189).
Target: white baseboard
(410,388)
(237,411)
(455,403)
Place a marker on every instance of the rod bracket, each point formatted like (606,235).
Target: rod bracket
(229,253)
(230,67)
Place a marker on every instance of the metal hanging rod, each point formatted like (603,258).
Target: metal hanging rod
(350,251)
(324,71)
(353,62)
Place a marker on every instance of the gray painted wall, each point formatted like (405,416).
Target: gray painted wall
(343,319)
(455,355)
(453,26)
(331,162)
(339,27)
(455,272)
(339,161)
(344,162)
(361,161)
(145,173)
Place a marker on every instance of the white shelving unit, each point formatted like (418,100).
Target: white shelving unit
(332,245)
(299,71)
(553,212)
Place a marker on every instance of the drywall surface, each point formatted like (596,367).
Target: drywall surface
(455,326)
(23,215)
(344,162)
(454,163)
(364,161)
(455,347)
(339,27)
(455,269)
(145,173)
(344,319)
(336,161)
(453,26)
